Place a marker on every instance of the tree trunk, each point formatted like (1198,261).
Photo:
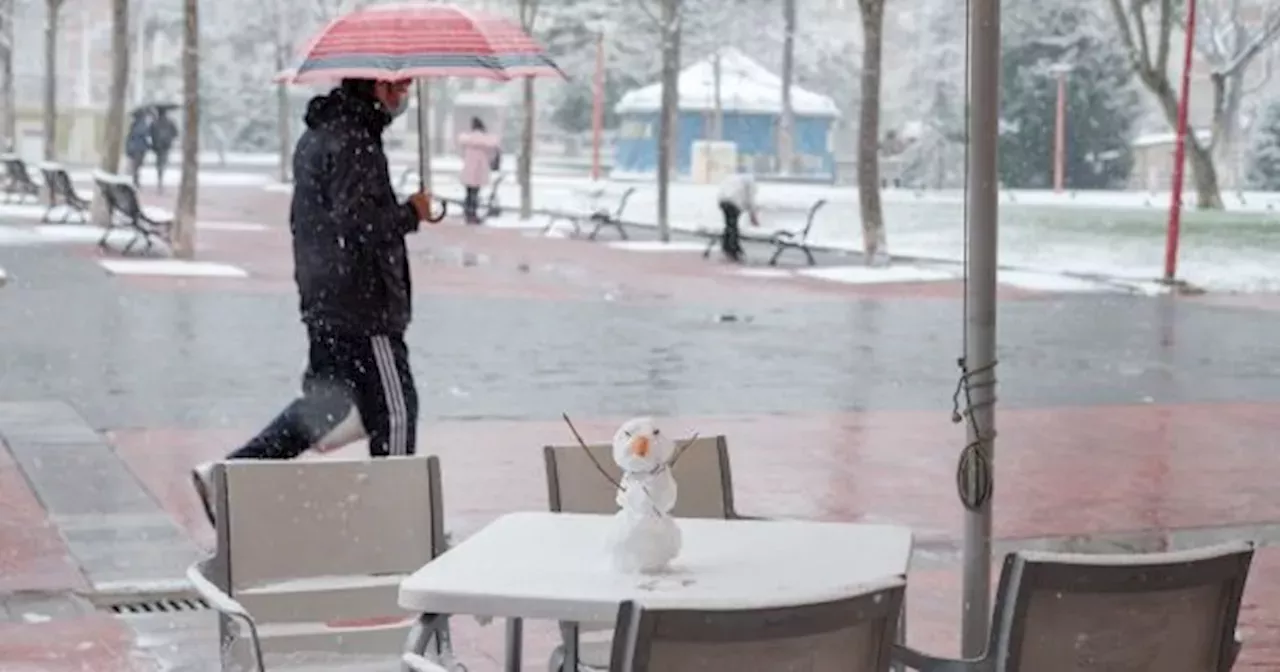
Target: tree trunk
(670,32)
(440,109)
(873,236)
(114,139)
(717,113)
(184,246)
(284,111)
(525,167)
(1208,194)
(8,108)
(51,79)
(787,120)
(524,163)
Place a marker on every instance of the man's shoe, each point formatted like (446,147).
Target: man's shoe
(202,478)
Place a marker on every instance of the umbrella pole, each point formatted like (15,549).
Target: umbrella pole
(980,313)
(424,135)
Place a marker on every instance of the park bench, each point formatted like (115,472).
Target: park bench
(310,555)
(17,180)
(595,212)
(491,205)
(785,239)
(127,212)
(62,193)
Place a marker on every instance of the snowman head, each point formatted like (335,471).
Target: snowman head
(638,446)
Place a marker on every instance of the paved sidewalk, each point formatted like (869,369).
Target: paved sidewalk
(1126,421)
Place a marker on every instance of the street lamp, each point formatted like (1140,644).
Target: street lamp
(1060,71)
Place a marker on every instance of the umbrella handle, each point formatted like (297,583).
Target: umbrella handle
(444,210)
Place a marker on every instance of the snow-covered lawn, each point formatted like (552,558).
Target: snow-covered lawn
(1112,234)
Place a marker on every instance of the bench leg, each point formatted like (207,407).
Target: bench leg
(45,218)
(711,245)
(773,261)
(622,231)
(808,255)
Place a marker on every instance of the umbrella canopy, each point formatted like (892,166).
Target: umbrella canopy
(411,41)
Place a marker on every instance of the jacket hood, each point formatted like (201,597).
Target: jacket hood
(341,106)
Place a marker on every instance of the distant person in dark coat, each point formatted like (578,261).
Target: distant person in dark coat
(352,272)
(138,142)
(163,133)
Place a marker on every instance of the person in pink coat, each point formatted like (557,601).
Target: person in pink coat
(480,156)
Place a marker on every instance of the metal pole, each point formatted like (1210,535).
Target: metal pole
(1180,153)
(597,108)
(424,135)
(1060,136)
(980,327)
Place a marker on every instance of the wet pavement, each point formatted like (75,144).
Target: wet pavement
(1127,422)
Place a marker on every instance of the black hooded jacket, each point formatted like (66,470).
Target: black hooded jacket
(348,229)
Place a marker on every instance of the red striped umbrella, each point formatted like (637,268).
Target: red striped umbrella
(410,41)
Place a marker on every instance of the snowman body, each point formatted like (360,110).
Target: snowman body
(645,538)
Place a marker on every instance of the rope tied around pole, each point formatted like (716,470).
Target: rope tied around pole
(974,481)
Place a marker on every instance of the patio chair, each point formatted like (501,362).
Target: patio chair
(853,634)
(310,556)
(1172,612)
(575,486)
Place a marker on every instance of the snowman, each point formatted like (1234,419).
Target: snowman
(644,538)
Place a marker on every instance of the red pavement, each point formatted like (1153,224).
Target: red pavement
(1060,471)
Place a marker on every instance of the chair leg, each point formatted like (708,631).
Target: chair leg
(773,261)
(622,230)
(706,252)
(595,230)
(45,218)
(106,233)
(809,255)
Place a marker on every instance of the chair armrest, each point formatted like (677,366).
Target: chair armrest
(417,663)
(914,660)
(214,595)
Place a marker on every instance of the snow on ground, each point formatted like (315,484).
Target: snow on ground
(172,267)
(1117,235)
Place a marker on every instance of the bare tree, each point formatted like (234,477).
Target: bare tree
(284,113)
(8,108)
(1229,43)
(667,21)
(184,239)
(53,9)
(113,139)
(873,235)
(787,120)
(524,166)
(1133,21)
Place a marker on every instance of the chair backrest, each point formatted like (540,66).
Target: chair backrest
(622,202)
(813,216)
(1172,612)
(702,474)
(853,634)
(324,541)
(119,192)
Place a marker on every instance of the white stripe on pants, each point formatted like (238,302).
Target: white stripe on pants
(393,393)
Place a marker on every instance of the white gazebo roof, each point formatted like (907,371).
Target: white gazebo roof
(745,86)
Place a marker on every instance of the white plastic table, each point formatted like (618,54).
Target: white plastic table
(554,566)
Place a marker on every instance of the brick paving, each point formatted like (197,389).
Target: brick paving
(1120,415)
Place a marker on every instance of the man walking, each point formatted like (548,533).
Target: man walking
(163,134)
(737,194)
(352,272)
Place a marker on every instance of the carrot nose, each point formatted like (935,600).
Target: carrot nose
(640,446)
